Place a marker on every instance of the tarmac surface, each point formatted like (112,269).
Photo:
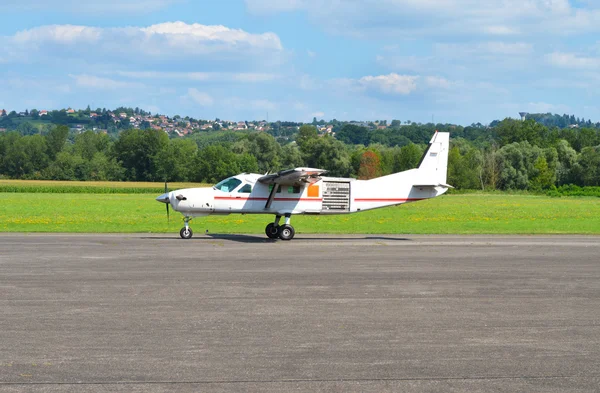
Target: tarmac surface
(146,313)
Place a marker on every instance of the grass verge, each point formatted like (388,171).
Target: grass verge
(450,214)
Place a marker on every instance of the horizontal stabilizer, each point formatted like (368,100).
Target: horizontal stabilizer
(432,185)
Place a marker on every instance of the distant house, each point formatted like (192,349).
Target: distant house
(123,115)
(43,113)
(93,115)
(70,111)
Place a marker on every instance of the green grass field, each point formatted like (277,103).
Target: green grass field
(458,214)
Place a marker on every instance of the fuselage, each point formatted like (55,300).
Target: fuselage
(330,195)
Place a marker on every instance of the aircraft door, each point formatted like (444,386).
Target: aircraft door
(336,196)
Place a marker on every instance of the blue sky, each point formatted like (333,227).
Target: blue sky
(455,61)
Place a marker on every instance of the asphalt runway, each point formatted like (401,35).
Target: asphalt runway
(146,313)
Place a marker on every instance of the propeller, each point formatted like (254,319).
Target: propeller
(168,203)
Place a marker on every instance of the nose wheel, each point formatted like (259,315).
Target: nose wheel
(283,232)
(186,232)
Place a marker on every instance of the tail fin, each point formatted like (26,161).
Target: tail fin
(433,167)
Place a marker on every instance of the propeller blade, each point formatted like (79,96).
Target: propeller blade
(166,191)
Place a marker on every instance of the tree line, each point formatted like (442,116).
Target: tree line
(513,155)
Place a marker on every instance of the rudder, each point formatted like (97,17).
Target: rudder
(433,167)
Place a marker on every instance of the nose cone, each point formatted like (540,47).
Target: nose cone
(164,198)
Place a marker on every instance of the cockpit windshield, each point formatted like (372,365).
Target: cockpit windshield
(228,184)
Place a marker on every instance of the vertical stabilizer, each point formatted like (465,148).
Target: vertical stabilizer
(434,164)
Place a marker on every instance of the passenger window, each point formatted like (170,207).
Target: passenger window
(228,185)
(294,190)
(271,189)
(246,189)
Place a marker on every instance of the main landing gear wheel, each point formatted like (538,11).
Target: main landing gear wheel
(286,232)
(186,233)
(272,231)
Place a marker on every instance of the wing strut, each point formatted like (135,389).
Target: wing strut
(272,195)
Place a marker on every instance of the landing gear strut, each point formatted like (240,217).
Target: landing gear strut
(284,232)
(186,232)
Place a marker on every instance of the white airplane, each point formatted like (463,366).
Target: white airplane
(306,191)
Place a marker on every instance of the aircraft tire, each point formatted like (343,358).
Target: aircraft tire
(286,232)
(186,233)
(272,231)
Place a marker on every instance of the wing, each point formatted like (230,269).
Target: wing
(293,177)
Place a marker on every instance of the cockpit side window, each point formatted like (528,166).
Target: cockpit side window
(247,189)
(228,185)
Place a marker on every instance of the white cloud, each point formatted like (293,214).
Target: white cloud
(442,17)
(437,82)
(318,115)
(485,48)
(573,61)
(246,77)
(165,43)
(544,107)
(98,83)
(260,104)
(390,84)
(307,82)
(198,97)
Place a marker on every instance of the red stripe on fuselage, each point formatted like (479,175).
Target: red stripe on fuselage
(265,199)
(388,199)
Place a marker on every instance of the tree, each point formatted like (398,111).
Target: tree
(66,166)
(353,134)
(330,154)
(291,156)
(56,139)
(587,169)
(215,163)
(138,150)
(176,161)
(307,134)
(25,156)
(88,143)
(409,158)
(465,166)
(567,158)
(396,123)
(370,165)
(522,169)
(544,178)
(27,128)
(105,168)
(264,147)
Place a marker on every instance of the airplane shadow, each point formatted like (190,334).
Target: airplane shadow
(262,239)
